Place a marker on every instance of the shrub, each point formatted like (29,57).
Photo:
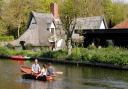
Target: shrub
(47,54)
(61,54)
(10,46)
(108,55)
(6,38)
(4,51)
(29,46)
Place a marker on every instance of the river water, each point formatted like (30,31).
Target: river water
(72,78)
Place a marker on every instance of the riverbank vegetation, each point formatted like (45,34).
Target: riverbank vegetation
(8,52)
(109,55)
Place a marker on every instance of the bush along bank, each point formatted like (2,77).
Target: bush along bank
(109,55)
(6,52)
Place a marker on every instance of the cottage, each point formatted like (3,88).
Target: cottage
(40,27)
(42,30)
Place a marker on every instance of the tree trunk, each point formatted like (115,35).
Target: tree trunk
(69,46)
(18,32)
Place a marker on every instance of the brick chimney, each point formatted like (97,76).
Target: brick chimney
(54,10)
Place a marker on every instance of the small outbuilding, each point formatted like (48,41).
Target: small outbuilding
(88,24)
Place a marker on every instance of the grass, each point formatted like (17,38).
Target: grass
(8,52)
(109,55)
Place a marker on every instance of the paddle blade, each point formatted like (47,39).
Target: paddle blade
(58,72)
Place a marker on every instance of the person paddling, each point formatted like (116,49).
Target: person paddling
(50,70)
(36,67)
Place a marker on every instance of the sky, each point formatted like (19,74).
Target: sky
(124,1)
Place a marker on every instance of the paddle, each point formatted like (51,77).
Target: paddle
(58,72)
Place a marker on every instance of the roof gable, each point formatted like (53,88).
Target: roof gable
(90,22)
(40,18)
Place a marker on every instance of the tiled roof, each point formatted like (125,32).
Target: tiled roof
(122,25)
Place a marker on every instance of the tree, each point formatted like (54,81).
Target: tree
(68,15)
(114,12)
(3,28)
(13,15)
(94,7)
(16,12)
(118,13)
(108,11)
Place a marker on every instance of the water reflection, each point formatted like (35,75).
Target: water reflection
(38,85)
(73,78)
(45,85)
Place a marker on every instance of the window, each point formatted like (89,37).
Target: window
(47,29)
(52,30)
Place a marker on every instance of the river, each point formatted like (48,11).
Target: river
(72,78)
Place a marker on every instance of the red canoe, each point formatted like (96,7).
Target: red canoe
(19,57)
(26,69)
(27,74)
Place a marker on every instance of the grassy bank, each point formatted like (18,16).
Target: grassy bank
(109,55)
(9,52)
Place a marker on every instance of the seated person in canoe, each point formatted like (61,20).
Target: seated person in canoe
(43,71)
(36,67)
(50,70)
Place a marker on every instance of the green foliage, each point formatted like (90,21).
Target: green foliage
(93,8)
(47,54)
(104,55)
(3,27)
(7,51)
(61,54)
(27,53)
(118,13)
(68,13)
(76,54)
(29,46)
(108,9)
(10,46)
(6,38)
(4,51)
(110,55)
(15,13)
(92,46)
